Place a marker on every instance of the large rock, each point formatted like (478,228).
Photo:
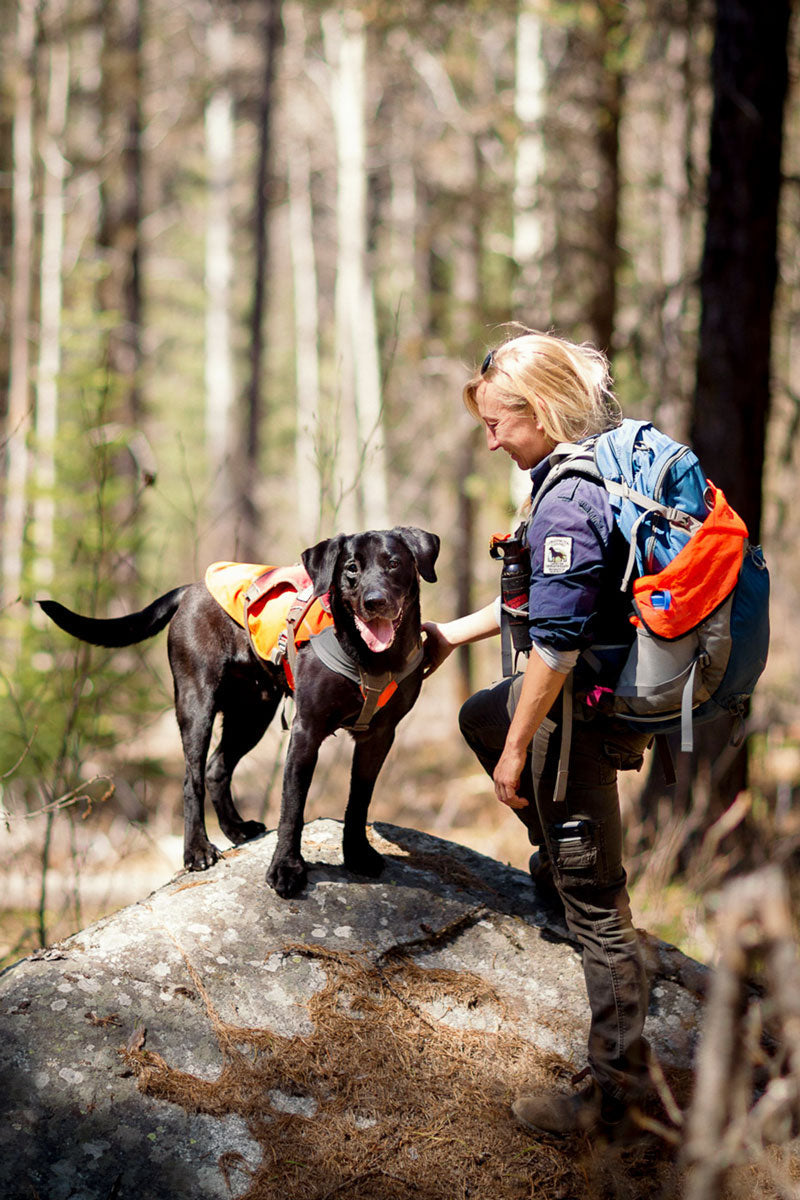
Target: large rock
(172,975)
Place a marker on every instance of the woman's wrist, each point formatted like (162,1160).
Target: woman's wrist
(471,628)
(518,740)
(449,633)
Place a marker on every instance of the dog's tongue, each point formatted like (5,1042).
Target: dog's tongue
(378,635)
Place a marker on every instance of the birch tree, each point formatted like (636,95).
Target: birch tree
(219,376)
(19,395)
(360,473)
(50,301)
(529,301)
(529,304)
(304,276)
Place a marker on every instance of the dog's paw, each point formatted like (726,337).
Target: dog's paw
(364,860)
(201,856)
(287,876)
(245,831)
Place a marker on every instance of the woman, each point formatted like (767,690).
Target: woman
(532,392)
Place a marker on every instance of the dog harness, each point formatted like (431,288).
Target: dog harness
(279,612)
(376,689)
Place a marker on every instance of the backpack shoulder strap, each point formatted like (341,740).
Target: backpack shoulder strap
(568,458)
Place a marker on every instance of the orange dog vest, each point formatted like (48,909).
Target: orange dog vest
(266,612)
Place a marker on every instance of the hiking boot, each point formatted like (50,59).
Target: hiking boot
(541,872)
(568,1113)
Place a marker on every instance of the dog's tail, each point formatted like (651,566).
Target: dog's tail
(116,631)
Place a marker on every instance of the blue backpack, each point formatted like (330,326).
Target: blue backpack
(700,590)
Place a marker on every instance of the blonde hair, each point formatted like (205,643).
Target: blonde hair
(566,387)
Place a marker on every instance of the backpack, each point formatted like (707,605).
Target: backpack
(700,590)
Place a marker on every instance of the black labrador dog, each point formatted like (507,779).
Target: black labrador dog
(372,580)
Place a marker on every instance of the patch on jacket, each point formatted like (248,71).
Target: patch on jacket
(557,555)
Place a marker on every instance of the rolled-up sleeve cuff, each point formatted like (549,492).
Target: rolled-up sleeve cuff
(557,660)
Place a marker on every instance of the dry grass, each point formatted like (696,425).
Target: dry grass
(403,1106)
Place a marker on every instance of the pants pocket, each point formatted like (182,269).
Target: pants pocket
(624,748)
(574,850)
(623,758)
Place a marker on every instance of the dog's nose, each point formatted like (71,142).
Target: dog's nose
(374,600)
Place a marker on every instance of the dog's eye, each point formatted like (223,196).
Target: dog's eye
(351,569)
(393,564)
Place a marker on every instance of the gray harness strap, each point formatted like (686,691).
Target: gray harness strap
(329,651)
(560,793)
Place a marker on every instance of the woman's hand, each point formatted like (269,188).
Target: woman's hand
(507,775)
(436,647)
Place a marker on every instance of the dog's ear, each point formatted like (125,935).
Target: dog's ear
(424,546)
(320,560)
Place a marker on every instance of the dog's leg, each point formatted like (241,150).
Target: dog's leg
(287,872)
(242,729)
(195,710)
(368,758)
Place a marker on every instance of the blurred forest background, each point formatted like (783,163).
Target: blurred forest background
(249,254)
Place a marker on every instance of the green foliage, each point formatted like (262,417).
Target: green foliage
(62,697)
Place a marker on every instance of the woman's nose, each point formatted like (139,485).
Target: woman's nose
(491,440)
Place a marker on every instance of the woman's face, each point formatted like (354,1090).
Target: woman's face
(518,433)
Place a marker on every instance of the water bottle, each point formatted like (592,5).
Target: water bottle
(515,582)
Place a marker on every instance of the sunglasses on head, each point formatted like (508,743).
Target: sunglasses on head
(487,362)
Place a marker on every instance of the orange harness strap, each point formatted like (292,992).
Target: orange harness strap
(286,648)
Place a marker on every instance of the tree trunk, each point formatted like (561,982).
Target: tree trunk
(603,298)
(739,269)
(529,304)
(120,291)
(249,514)
(466,295)
(738,277)
(670,392)
(44,508)
(737,284)
(530,300)
(463,537)
(585,87)
(306,297)
(8,33)
(360,475)
(403,214)
(19,393)
(219,377)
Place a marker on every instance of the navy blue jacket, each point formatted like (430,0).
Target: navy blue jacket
(578,558)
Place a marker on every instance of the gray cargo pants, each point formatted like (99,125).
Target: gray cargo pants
(583,837)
